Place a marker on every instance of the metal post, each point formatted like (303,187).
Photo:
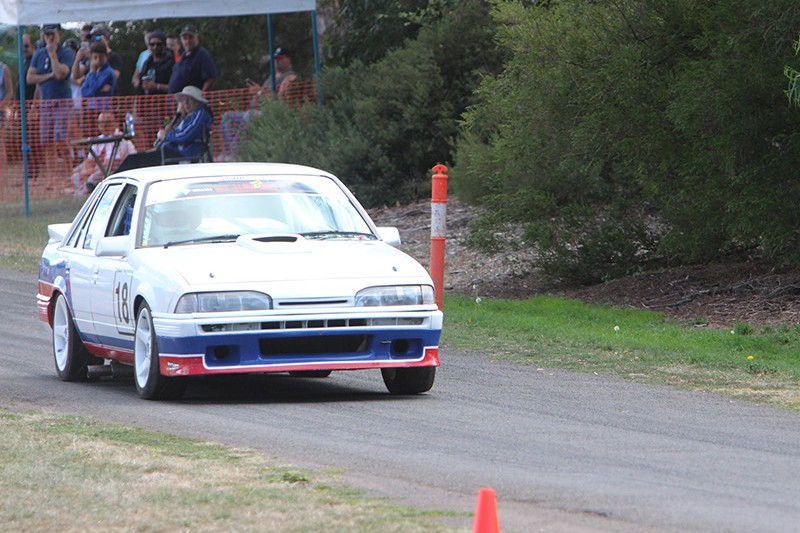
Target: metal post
(271,57)
(317,77)
(438,230)
(23,120)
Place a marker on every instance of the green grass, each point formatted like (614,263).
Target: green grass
(67,473)
(23,238)
(748,361)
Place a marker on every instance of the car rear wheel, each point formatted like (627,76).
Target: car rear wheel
(150,384)
(413,380)
(70,354)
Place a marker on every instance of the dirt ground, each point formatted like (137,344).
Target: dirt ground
(715,295)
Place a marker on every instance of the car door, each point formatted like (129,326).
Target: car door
(112,308)
(84,264)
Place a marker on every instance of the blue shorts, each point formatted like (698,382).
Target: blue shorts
(53,120)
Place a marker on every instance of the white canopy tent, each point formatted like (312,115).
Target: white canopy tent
(29,12)
(36,12)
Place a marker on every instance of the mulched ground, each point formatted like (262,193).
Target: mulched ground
(722,295)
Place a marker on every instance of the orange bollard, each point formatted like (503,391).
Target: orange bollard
(486,520)
(438,230)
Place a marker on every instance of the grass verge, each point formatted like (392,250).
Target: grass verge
(23,238)
(746,362)
(65,473)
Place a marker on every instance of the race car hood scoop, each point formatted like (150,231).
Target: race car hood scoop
(272,244)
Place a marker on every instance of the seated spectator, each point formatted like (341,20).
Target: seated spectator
(184,138)
(88,174)
(234,122)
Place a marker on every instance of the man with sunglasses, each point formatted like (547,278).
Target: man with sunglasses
(157,69)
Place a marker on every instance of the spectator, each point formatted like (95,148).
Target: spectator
(234,122)
(88,173)
(6,94)
(143,55)
(27,53)
(6,83)
(157,69)
(76,153)
(50,68)
(186,138)
(99,33)
(174,46)
(196,67)
(86,29)
(100,80)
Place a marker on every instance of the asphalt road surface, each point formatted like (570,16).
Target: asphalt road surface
(564,451)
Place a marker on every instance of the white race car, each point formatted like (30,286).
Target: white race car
(218,268)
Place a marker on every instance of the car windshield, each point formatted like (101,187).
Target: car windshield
(196,210)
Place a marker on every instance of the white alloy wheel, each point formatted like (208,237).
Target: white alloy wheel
(69,353)
(143,348)
(150,384)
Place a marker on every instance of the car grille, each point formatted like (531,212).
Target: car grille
(324,323)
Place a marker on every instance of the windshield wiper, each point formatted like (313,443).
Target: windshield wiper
(211,238)
(333,234)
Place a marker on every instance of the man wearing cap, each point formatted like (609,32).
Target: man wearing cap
(50,68)
(196,67)
(185,138)
(234,122)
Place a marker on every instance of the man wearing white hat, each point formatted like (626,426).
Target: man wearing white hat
(184,138)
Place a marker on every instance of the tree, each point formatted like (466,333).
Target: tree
(631,131)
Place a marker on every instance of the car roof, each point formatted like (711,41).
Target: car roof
(200,170)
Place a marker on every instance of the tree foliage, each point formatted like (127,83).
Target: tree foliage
(632,131)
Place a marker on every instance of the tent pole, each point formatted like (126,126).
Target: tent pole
(315,38)
(271,57)
(23,119)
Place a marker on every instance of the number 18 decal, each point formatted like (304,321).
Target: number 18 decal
(122,301)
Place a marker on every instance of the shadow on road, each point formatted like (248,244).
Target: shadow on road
(264,389)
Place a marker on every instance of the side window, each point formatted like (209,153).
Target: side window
(96,229)
(122,217)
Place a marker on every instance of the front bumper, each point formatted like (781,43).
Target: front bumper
(335,340)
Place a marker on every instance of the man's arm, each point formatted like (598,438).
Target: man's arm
(60,70)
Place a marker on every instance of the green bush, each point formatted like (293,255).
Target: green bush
(651,110)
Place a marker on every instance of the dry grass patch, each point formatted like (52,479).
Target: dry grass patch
(71,474)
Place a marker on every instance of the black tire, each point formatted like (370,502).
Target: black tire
(310,373)
(150,384)
(414,380)
(69,353)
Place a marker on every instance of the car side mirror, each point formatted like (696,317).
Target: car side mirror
(390,235)
(113,246)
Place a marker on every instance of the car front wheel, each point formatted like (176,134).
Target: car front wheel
(70,354)
(414,380)
(150,384)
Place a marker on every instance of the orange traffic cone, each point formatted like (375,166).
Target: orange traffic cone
(486,513)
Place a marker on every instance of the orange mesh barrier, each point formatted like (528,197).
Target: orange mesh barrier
(53,126)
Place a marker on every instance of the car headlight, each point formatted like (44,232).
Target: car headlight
(395,295)
(221,302)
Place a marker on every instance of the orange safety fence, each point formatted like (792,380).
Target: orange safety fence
(54,125)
